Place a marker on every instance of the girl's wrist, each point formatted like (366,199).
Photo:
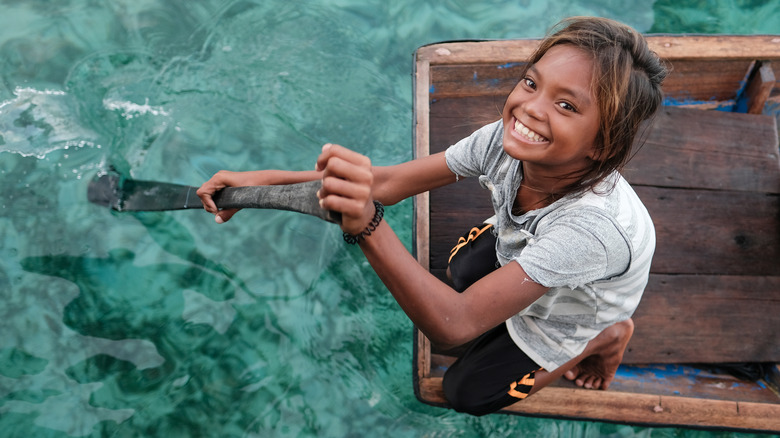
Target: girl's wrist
(379,212)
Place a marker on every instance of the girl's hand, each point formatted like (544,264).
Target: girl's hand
(219,181)
(346,186)
(225,178)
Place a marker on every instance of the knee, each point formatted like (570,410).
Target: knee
(464,396)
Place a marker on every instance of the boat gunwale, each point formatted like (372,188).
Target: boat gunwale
(668,46)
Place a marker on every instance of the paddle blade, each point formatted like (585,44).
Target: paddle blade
(122,194)
(104,191)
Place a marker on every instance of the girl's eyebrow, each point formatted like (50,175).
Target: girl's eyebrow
(580,97)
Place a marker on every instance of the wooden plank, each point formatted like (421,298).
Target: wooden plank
(707,319)
(760,86)
(697,231)
(421,140)
(663,380)
(454,119)
(708,150)
(686,381)
(714,47)
(668,47)
(691,81)
(702,232)
(700,81)
(478,52)
(474,80)
(703,69)
(644,409)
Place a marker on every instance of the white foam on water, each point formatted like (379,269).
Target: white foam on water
(130,110)
(37,122)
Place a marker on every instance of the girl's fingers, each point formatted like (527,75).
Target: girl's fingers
(205,193)
(223,216)
(219,181)
(350,199)
(343,196)
(330,151)
(346,186)
(341,187)
(348,207)
(345,174)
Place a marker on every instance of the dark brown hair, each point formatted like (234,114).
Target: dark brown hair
(627,79)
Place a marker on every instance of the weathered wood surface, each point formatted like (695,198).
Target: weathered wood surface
(668,380)
(704,68)
(668,47)
(635,408)
(712,150)
(687,86)
(703,73)
(706,319)
(759,88)
(653,395)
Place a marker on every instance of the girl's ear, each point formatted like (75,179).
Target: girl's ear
(596,154)
(600,154)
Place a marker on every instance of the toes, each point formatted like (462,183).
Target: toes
(592,382)
(588,383)
(571,374)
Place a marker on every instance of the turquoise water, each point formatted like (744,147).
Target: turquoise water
(165,324)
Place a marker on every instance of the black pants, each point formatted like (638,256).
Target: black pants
(493,373)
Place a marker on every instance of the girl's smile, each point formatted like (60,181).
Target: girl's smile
(529,135)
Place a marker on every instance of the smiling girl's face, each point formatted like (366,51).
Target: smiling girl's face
(551,118)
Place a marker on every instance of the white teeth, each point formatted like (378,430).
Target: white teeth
(531,135)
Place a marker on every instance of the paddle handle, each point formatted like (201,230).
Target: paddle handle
(300,197)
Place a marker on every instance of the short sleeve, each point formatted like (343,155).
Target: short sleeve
(471,156)
(576,249)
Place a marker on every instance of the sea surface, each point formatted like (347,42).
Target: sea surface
(168,325)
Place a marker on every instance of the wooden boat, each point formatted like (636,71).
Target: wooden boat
(711,181)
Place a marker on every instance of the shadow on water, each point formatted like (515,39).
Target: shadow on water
(130,349)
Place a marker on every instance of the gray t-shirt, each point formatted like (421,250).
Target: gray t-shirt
(593,250)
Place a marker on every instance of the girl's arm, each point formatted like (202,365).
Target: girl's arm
(445,316)
(391,184)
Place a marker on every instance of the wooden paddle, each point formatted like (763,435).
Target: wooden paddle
(123,194)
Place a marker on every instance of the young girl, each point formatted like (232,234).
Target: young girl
(573,240)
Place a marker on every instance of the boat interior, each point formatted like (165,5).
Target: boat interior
(706,347)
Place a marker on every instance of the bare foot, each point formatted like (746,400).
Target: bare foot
(604,354)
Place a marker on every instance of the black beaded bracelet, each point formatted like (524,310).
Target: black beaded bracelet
(378,215)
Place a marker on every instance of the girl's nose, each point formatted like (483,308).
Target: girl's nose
(534,107)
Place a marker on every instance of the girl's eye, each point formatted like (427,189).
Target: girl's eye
(567,106)
(529,83)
